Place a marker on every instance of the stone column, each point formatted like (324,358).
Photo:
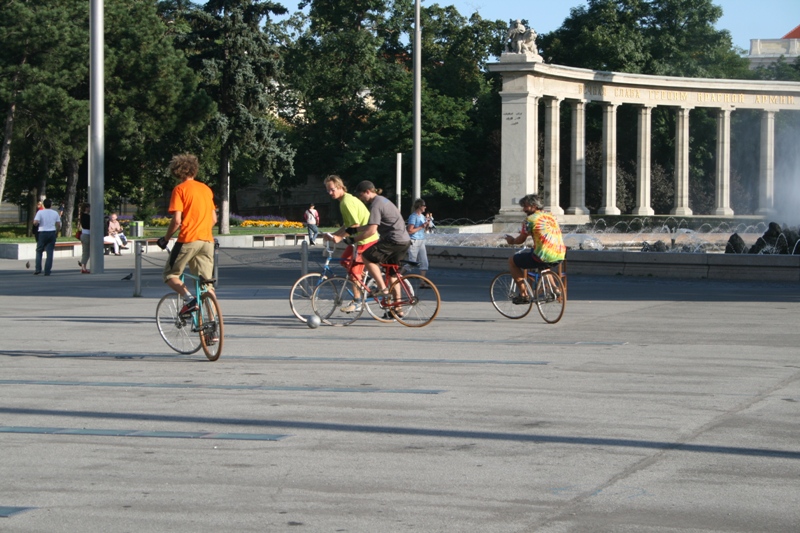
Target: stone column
(577,173)
(682,163)
(552,149)
(722,194)
(519,149)
(609,160)
(643,150)
(766,179)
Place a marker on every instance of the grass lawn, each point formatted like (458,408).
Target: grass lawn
(15,233)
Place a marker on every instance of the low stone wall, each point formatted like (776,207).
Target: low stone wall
(73,248)
(596,263)
(645,264)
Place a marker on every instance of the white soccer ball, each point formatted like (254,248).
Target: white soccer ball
(313,322)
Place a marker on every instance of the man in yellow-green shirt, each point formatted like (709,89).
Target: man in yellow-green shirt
(354,215)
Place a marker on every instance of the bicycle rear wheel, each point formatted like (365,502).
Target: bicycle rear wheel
(551,297)
(332,298)
(503,290)
(210,326)
(174,329)
(419,301)
(300,295)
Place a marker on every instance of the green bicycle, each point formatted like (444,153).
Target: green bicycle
(203,328)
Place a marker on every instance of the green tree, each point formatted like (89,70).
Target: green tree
(40,44)
(155,108)
(234,47)
(334,65)
(354,83)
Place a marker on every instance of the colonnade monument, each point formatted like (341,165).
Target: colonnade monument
(527,80)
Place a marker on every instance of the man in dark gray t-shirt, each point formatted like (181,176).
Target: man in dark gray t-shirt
(388,222)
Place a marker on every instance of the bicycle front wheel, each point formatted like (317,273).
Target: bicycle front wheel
(503,290)
(375,310)
(210,325)
(335,302)
(551,297)
(174,329)
(300,295)
(419,301)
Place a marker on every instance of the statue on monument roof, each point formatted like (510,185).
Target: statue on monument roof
(521,40)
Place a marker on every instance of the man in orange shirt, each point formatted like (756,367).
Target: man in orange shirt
(193,211)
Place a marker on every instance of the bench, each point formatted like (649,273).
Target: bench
(108,246)
(66,248)
(278,239)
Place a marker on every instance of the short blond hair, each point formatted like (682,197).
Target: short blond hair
(337,181)
(184,166)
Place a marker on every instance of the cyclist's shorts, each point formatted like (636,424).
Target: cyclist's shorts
(198,255)
(527,260)
(387,252)
(358,269)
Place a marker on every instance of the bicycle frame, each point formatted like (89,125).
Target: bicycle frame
(382,300)
(199,289)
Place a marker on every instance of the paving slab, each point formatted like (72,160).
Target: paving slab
(653,405)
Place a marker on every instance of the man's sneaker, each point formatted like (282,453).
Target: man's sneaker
(354,307)
(188,307)
(520,300)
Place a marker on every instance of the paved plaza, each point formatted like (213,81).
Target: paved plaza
(653,406)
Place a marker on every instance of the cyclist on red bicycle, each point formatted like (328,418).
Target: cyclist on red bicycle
(548,244)
(386,221)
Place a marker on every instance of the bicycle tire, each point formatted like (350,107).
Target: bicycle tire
(551,297)
(210,326)
(300,295)
(374,310)
(503,290)
(419,304)
(174,329)
(330,297)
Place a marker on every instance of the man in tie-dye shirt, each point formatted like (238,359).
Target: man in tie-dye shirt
(548,245)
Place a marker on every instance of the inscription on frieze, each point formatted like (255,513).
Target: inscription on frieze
(656,95)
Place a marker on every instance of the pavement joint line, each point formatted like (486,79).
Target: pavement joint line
(51,355)
(453,341)
(218,387)
(140,433)
(389,360)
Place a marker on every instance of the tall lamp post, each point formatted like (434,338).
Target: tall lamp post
(96,135)
(417,104)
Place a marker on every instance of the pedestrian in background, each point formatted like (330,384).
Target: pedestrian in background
(85,223)
(48,223)
(417,226)
(311,217)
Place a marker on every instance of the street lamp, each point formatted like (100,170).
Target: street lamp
(417,104)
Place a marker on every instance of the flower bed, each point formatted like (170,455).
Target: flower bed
(268,221)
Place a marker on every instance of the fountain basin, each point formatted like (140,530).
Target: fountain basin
(783,268)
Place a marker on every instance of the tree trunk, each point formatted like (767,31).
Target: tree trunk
(73,165)
(33,202)
(224,193)
(5,154)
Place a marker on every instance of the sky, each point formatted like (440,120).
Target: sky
(744,19)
